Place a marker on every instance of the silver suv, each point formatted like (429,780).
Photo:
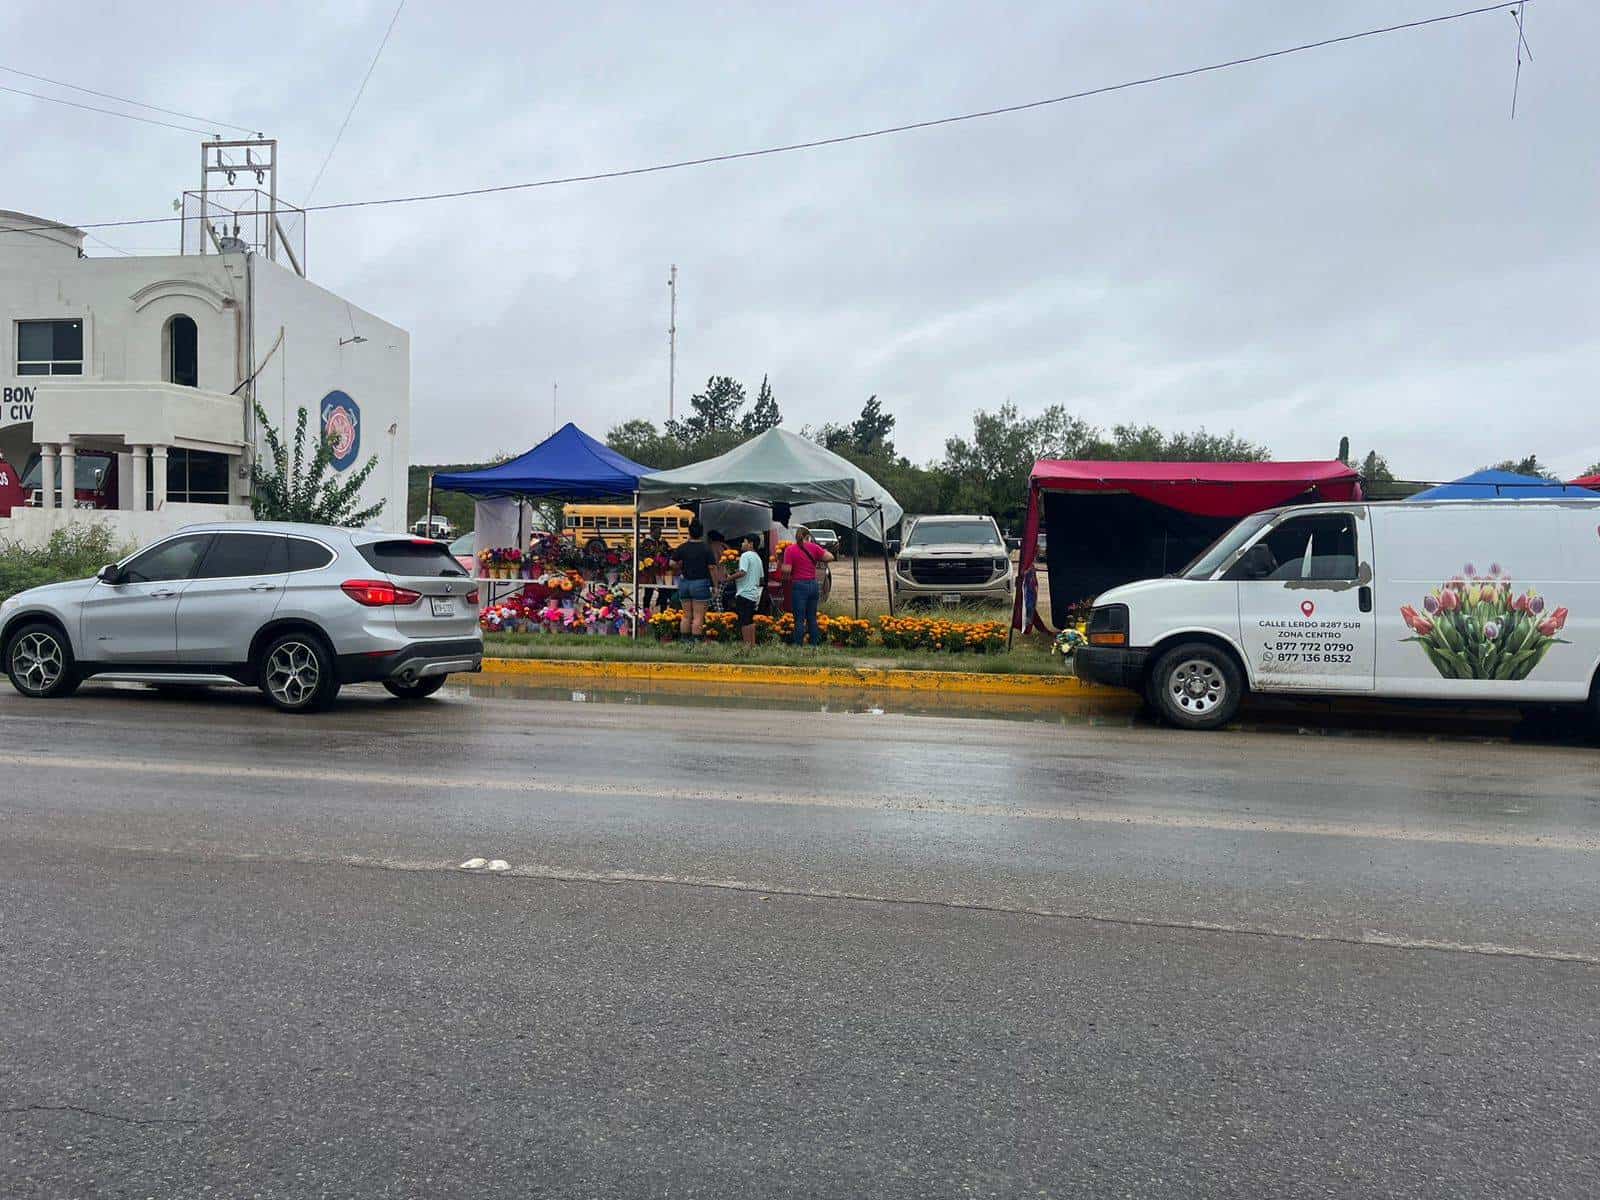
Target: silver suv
(297,610)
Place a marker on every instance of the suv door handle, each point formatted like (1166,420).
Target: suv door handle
(164,594)
(262,587)
(1364,598)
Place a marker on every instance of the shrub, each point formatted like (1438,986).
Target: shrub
(73,552)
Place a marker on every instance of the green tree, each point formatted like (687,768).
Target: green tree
(289,489)
(715,410)
(1147,443)
(764,415)
(1592,469)
(1527,465)
(1374,468)
(869,433)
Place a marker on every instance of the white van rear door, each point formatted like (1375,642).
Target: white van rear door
(1305,610)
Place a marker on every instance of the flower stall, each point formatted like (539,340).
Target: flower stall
(548,582)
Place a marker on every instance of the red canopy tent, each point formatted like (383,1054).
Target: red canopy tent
(1588,481)
(1114,522)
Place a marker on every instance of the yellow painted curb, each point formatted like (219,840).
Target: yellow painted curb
(1062,687)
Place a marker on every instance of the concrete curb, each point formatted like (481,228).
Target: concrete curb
(1063,687)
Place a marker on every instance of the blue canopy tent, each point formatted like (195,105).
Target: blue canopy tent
(568,464)
(1503,485)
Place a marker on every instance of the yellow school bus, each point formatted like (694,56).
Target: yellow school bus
(613,523)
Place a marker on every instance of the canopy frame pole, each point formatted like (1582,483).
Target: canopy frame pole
(883,543)
(635,621)
(430,507)
(855,551)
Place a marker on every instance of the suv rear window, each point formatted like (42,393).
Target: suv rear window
(410,557)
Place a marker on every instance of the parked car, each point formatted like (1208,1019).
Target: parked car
(1465,600)
(828,539)
(953,560)
(440,528)
(296,610)
(465,551)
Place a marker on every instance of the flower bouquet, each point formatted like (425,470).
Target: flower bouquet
(1473,627)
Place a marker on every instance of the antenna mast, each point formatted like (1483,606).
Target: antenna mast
(672,341)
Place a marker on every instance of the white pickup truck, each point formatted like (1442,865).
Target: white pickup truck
(953,560)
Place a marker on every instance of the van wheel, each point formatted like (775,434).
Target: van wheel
(297,673)
(417,689)
(1196,686)
(39,662)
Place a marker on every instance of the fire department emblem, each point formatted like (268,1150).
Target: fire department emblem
(341,425)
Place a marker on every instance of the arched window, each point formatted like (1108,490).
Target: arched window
(183,352)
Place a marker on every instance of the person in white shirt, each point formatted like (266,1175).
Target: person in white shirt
(749,579)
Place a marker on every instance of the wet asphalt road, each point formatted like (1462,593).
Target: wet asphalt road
(745,952)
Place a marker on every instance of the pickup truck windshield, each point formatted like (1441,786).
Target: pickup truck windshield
(965,533)
(1217,553)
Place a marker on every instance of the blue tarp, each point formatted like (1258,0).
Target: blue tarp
(569,463)
(1504,485)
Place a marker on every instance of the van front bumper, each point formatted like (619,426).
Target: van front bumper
(1114,666)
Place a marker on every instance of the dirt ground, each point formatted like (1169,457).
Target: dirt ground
(875,590)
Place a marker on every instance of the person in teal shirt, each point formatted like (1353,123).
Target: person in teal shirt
(750,577)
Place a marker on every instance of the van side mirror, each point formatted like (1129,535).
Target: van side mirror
(1258,562)
(109,573)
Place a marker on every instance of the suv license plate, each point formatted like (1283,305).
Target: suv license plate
(443,606)
(950,598)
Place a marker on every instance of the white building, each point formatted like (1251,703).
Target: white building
(131,377)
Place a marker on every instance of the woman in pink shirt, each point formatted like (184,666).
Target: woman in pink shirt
(800,567)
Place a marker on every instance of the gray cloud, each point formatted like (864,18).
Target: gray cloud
(1353,241)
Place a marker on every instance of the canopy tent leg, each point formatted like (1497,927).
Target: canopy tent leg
(430,507)
(855,550)
(635,621)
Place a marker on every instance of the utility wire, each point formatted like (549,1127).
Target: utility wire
(352,111)
(110,112)
(841,139)
(171,112)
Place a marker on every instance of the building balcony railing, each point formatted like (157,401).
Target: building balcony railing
(112,415)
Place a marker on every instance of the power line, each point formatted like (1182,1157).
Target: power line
(171,112)
(352,111)
(110,112)
(841,139)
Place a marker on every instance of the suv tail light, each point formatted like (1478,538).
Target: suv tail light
(472,596)
(378,593)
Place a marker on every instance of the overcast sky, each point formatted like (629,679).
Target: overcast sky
(1355,240)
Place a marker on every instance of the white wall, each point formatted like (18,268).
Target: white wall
(375,373)
(126,302)
(33,526)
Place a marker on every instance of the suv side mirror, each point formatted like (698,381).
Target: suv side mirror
(109,574)
(1257,562)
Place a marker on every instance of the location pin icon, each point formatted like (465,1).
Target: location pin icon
(1307,607)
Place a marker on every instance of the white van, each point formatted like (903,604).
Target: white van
(1480,600)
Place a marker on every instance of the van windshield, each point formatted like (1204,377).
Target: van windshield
(1214,555)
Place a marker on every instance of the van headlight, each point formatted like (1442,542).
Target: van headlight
(1108,625)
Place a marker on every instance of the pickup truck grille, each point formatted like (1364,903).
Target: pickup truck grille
(956,571)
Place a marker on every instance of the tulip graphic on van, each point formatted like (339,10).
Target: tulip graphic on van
(1477,628)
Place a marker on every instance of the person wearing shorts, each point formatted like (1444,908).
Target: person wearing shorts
(748,580)
(694,581)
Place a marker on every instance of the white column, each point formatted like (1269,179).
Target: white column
(158,477)
(124,480)
(47,475)
(69,475)
(141,476)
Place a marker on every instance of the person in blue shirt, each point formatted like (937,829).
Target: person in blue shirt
(749,578)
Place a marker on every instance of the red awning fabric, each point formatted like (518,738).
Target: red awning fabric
(1234,489)
(1225,489)
(1588,481)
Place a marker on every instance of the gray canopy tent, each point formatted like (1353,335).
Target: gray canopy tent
(779,467)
